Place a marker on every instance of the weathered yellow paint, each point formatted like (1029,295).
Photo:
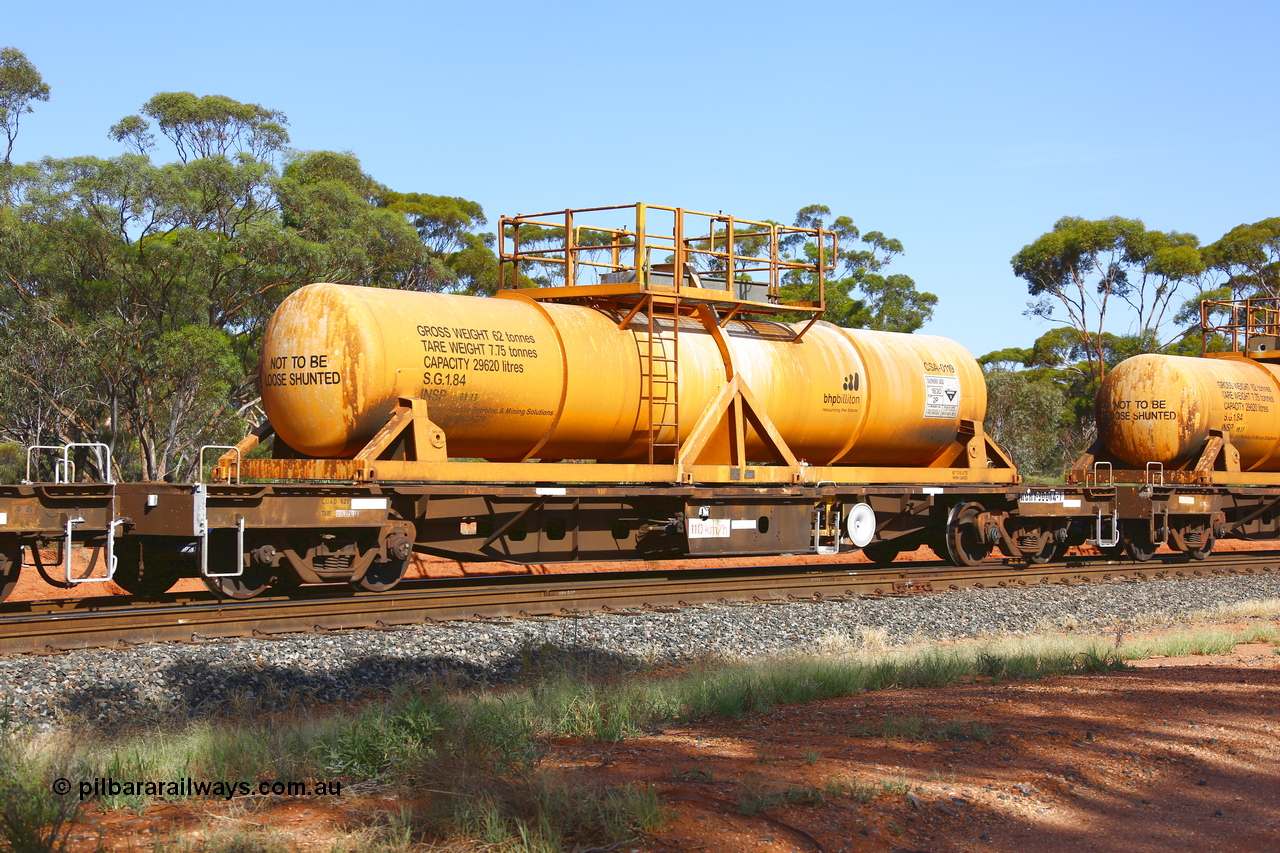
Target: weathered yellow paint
(1160,408)
(508,378)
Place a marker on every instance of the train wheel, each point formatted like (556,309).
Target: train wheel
(1199,543)
(285,583)
(1052,550)
(966,546)
(53,574)
(1137,541)
(254,581)
(140,573)
(384,574)
(10,566)
(882,552)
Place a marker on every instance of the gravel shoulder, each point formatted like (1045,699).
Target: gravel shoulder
(159,682)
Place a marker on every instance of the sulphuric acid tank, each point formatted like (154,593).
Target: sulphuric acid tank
(510,379)
(1160,408)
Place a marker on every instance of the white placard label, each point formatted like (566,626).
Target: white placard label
(549,490)
(1071,503)
(1186,499)
(1049,497)
(4,518)
(941,396)
(709,528)
(368,503)
(742,524)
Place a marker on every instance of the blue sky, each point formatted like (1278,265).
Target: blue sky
(964,130)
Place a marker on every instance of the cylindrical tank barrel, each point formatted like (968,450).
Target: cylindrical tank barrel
(510,379)
(1160,408)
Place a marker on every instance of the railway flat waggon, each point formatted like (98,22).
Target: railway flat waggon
(640,392)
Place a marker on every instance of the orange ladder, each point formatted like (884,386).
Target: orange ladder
(660,364)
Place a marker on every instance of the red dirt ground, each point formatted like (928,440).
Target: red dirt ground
(1177,754)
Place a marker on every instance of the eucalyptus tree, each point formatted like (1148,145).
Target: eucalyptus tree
(1248,260)
(1028,416)
(865,296)
(1079,271)
(153,280)
(460,257)
(20,85)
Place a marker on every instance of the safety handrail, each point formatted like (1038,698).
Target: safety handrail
(57,463)
(563,246)
(64,468)
(200,497)
(200,461)
(1093,476)
(64,474)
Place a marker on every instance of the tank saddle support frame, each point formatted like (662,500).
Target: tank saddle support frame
(1217,464)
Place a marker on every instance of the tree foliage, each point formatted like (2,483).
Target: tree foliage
(20,84)
(1029,417)
(864,297)
(1248,259)
(205,127)
(459,260)
(1076,271)
(134,292)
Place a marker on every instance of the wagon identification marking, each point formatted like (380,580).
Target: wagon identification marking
(941,396)
(1051,496)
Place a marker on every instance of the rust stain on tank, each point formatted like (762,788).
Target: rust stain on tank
(1158,408)
(509,379)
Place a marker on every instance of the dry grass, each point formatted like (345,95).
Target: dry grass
(865,639)
(1268,608)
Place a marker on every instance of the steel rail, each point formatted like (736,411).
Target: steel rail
(59,625)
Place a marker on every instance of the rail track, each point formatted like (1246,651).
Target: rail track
(60,625)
